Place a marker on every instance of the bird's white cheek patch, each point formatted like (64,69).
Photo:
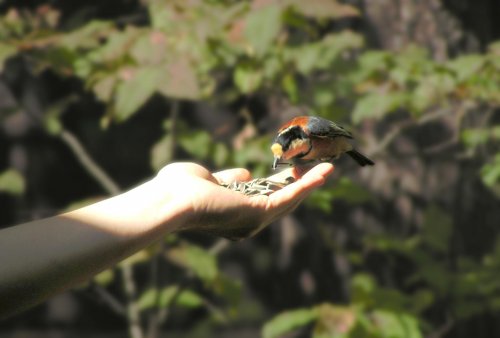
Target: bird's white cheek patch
(297,147)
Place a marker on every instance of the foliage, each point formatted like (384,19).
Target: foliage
(398,230)
(11,181)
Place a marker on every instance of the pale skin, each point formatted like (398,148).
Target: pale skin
(42,258)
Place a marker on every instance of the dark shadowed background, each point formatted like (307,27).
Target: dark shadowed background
(96,96)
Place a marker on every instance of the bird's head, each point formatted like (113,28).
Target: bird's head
(291,142)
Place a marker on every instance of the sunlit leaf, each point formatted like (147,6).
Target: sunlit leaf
(148,299)
(475,137)
(320,9)
(104,87)
(431,90)
(116,46)
(248,78)
(189,299)
(334,321)
(12,182)
(288,321)
(178,79)
(134,90)
(391,324)
(149,48)
(363,286)
(104,278)
(377,105)
(262,27)
(138,257)
(164,297)
(87,36)
(467,65)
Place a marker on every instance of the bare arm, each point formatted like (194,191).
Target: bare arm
(44,257)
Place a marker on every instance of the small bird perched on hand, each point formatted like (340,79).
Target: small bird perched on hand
(310,138)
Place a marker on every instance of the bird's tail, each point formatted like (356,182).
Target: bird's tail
(360,158)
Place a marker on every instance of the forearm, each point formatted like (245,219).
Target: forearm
(41,258)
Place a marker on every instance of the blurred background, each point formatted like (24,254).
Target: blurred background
(97,96)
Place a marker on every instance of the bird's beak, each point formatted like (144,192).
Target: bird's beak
(277,150)
(276,161)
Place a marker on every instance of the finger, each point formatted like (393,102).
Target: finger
(185,168)
(231,175)
(301,188)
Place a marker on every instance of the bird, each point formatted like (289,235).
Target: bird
(307,139)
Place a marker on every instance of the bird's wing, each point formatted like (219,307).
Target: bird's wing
(328,129)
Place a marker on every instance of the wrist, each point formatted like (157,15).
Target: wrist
(164,209)
(148,210)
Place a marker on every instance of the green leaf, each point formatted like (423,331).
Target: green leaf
(345,190)
(247,78)
(139,257)
(334,321)
(138,86)
(196,259)
(288,321)
(350,192)
(88,36)
(149,48)
(6,51)
(395,325)
(305,57)
(475,137)
(431,89)
(467,66)
(160,15)
(374,61)
(163,298)
(321,199)
(377,105)
(262,28)
(322,9)
(104,87)
(228,288)
(116,47)
(189,299)
(12,182)
(490,175)
(198,143)
(436,229)
(220,154)
(324,96)
(160,152)
(178,79)
(363,287)
(290,86)
(322,54)
(148,299)
(105,277)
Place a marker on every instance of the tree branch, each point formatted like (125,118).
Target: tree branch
(88,163)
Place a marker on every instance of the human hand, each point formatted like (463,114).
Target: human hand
(209,207)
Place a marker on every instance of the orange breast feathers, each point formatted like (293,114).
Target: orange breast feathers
(324,148)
